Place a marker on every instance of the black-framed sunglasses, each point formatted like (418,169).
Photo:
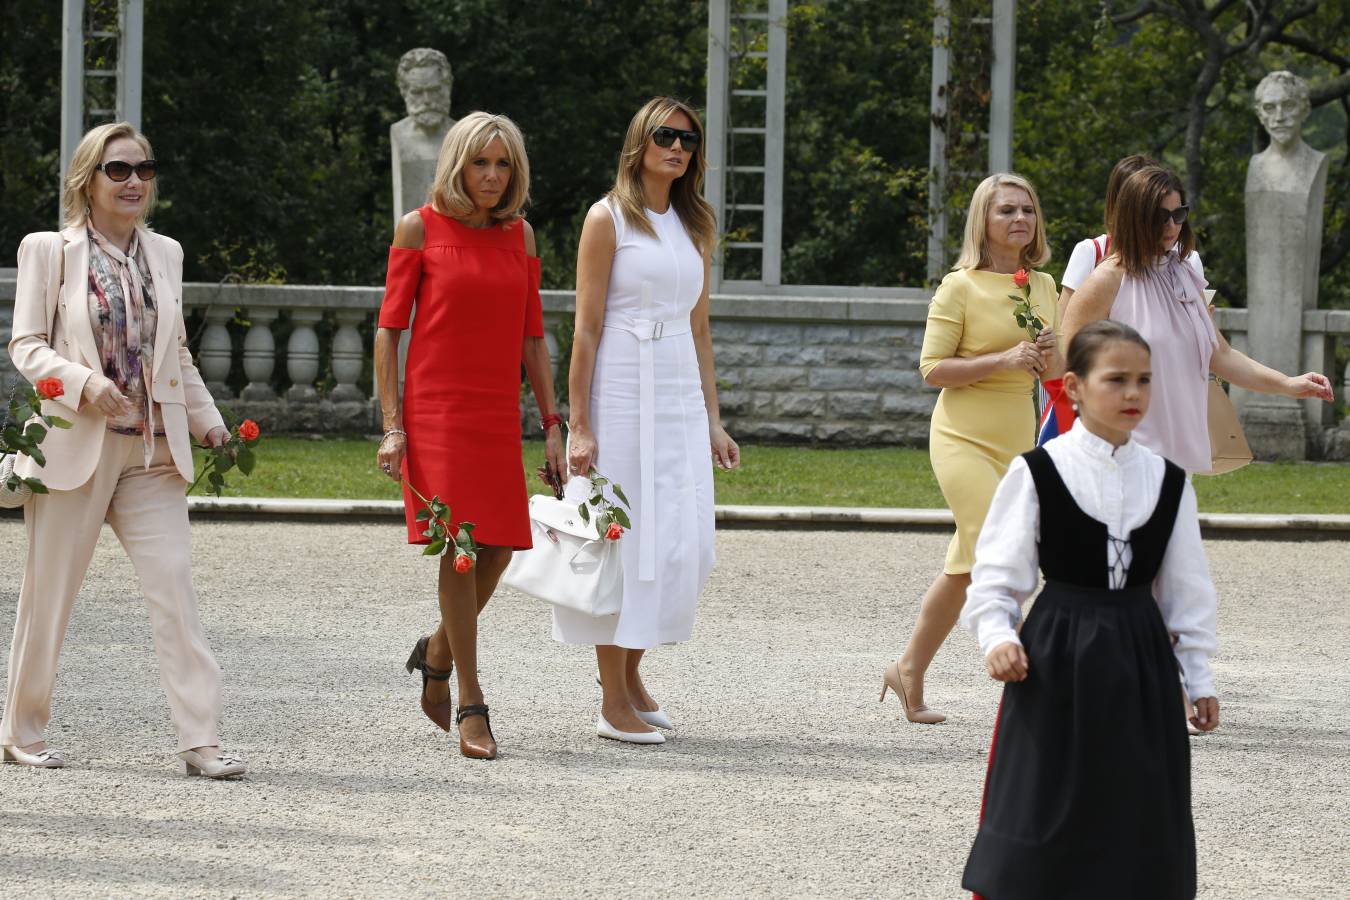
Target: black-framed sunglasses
(665,138)
(1177,215)
(119,170)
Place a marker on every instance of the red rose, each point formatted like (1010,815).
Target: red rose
(249,430)
(614,532)
(50,388)
(1020,278)
(463,563)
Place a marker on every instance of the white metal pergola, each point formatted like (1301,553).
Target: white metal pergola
(723,128)
(78,73)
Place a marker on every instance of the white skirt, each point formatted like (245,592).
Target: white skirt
(660,610)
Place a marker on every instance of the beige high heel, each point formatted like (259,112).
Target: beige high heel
(921,715)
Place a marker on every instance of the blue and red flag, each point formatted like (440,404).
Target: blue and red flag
(1057,413)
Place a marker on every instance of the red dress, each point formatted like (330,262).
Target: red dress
(477,298)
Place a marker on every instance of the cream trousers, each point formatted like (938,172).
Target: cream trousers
(148,512)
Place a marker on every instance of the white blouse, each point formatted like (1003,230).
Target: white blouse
(1118,486)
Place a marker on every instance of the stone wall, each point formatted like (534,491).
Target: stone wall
(791,368)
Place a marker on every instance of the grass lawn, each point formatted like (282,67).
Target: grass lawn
(785,476)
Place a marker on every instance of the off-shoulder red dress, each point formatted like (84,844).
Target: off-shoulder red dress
(476,293)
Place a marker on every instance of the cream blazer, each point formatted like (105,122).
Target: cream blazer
(54,338)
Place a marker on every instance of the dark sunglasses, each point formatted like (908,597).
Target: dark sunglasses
(117,170)
(1177,215)
(665,138)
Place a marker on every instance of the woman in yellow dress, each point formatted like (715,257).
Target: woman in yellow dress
(987,366)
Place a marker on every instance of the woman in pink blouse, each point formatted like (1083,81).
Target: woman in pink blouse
(1147,283)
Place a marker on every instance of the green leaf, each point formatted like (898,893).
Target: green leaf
(223,461)
(584,513)
(423,514)
(434,548)
(57,422)
(245,460)
(430,532)
(37,456)
(36,486)
(622,518)
(618,492)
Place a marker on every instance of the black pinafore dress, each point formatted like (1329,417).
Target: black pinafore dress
(1088,792)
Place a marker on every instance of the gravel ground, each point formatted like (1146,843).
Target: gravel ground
(786,778)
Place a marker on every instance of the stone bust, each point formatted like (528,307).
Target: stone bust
(424,80)
(1288,165)
(1286,184)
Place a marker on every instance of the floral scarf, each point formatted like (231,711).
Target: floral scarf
(122,310)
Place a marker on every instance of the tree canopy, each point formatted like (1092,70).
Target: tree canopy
(271,119)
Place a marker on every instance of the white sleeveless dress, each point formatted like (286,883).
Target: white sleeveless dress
(651,431)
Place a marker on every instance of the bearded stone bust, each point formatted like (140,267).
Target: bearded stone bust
(425,81)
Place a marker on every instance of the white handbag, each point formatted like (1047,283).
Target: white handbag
(570,565)
(16,498)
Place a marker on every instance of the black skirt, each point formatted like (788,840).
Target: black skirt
(1089,784)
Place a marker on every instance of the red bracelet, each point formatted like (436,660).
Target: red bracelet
(548,421)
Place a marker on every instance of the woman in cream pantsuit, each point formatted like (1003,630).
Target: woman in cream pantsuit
(99,307)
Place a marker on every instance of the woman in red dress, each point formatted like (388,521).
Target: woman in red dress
(467,262)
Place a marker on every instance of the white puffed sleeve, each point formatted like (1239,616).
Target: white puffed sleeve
(1006,562)
(1187,599)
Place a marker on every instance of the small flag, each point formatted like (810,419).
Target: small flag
(1057,414)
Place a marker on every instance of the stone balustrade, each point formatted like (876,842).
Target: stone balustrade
(839,369)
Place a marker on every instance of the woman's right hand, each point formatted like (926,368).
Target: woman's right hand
(390,456)
(1024,355)
(103,395)
(580,450)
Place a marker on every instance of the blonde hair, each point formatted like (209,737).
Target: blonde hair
(465,140)
(84,163)
(975,244)
(686,193)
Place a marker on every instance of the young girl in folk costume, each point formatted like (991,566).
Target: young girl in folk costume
(1089,789)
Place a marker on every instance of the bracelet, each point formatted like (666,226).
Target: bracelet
(548,421)
(393,431)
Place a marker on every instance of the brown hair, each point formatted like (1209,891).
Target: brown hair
(1137,230)
(1123,169)
(686,193)
(1094,337)
(975,242)
(464,141)
(84,165)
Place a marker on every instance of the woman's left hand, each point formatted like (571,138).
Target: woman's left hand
(1048,343)
(217,436)
(724,449)
(554,454)
(1313,384)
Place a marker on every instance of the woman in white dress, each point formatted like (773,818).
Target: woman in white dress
(644,401)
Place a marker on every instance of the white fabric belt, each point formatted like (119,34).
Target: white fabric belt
(647,331)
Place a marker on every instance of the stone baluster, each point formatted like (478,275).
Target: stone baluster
(215,354)
(302,356)
(348,356)
(260,355)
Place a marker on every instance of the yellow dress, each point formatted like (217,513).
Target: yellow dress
(976,430)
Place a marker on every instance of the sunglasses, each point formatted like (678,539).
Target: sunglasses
(665,138)
(1177,215)
(117,170)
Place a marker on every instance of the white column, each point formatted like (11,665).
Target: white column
(348,356)
(260,355)
(131,25)
(302,356)
(937,143)
(1002,83)
(775,124)
(216,352)
(715,125)
(72,80)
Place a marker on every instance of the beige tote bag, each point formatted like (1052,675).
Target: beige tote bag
(1228,447)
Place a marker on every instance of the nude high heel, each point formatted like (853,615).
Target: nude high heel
(921,715)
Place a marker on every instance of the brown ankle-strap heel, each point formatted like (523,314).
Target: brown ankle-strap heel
(477,751)
(440,713)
